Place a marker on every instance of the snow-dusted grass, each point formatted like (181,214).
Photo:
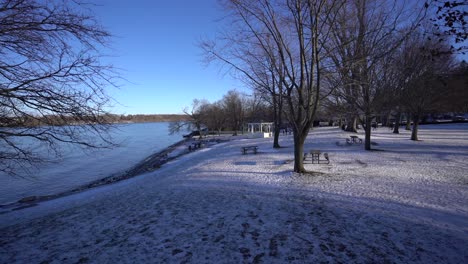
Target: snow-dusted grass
(406,203)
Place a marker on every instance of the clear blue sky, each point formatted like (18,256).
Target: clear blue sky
(156,44)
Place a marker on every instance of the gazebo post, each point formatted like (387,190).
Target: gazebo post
(258,127)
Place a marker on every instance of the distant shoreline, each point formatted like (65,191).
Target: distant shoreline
(148,118)
(109,119)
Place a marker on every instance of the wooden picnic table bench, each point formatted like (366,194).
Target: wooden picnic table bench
(315,156)
(196,145)
(245,149)
(353,140)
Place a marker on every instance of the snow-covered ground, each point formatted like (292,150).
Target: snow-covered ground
(405,203)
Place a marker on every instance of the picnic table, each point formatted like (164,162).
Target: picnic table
(195,145)
(353,140)
(315,156)
(245,149)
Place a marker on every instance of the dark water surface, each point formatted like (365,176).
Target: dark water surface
(78,167)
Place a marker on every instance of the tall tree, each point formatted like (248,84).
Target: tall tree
(291,33)
(257,64)
(455,97)
(215,117)
(368,32)
(266,82)
(51,76)
(196,117)
(234,107)
(425,77)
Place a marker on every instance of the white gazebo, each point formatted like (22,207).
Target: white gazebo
(261,129)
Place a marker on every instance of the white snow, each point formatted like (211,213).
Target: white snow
(407,203)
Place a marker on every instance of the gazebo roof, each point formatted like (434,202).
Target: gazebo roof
(255,123)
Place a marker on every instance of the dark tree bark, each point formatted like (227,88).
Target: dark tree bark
(277,121)
(396,127)
(367,129)
(414,132)
(299,139)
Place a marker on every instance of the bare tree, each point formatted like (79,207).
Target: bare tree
(265,80)
(234,105)
(455,97)
(393,92)
(215,118)
(256,62)
(260,74)
(196,118)
(52,81)
(424,88)
(290,34)
(368,32)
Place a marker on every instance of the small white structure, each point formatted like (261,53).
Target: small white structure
(262,129)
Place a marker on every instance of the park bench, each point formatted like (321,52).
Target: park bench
(245,149)
(315,157)
(353,140)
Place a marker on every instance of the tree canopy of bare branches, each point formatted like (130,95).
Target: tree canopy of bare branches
(196,117)
(52,79)
(366,34)
(425,75)
(279,44)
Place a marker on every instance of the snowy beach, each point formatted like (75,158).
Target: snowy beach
(406,202)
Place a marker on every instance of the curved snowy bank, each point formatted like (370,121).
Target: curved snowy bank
(406,203)
(77,167)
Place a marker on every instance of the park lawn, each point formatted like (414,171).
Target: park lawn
(404,202)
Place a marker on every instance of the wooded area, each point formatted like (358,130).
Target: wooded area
(360,61)
(354,62)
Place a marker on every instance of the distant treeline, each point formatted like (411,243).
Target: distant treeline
(56,120)
(147,118)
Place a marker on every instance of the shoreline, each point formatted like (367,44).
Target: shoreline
(150,163)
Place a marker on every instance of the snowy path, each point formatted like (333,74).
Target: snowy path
(407,203)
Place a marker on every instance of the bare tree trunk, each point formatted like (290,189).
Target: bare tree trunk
(388,121)
(299,139)
(277,120)
(276,137)
(408,122)
(367,129)
(414,133)
(396,127)
(351,124)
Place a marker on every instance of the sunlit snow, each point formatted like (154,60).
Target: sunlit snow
(406,202)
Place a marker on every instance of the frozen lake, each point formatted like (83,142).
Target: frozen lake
(78,167)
